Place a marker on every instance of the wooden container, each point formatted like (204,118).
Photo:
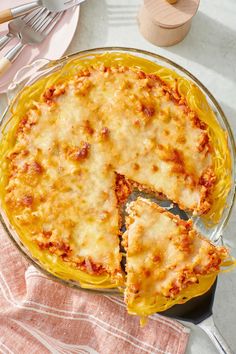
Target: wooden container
(163,23)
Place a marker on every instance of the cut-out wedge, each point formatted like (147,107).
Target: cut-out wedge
(168,262)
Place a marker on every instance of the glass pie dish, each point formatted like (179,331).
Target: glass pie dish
(41,68)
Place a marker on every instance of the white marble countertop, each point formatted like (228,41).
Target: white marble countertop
(209,52)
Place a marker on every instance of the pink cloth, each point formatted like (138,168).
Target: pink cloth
(38,315)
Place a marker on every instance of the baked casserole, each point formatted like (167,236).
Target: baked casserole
(81,139)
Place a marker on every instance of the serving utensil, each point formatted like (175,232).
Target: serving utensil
(34,32)
(198,310)
(15,26)
(51,5)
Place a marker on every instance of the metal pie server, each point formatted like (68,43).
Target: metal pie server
(197,310)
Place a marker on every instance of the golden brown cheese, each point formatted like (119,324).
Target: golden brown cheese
(168,261)
(62,182)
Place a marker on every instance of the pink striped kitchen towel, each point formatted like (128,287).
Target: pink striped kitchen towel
(38,315)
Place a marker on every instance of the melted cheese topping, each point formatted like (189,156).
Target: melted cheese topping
(61,169)
(168,262)
(61,189)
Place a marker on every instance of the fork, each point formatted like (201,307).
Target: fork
(51,5)
(15,26)
(34,32)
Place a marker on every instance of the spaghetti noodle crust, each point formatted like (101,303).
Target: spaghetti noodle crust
(72,133)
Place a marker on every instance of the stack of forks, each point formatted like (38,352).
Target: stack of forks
(31,28)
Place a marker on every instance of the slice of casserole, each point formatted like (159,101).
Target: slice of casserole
(168,262)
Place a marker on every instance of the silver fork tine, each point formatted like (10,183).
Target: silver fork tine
(33,33)
(43,24)
(14,27)
(54,22)
(38,19)
(28,17)
(43,21)
(49,23)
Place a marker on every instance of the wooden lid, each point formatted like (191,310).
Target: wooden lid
(171,15)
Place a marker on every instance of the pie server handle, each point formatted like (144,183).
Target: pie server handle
(212,331)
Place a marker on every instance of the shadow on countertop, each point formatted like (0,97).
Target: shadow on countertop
(93,22)
(122,15)
(210,39)
(230,114)
(105,15)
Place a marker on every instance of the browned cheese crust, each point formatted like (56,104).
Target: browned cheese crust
(77,152)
